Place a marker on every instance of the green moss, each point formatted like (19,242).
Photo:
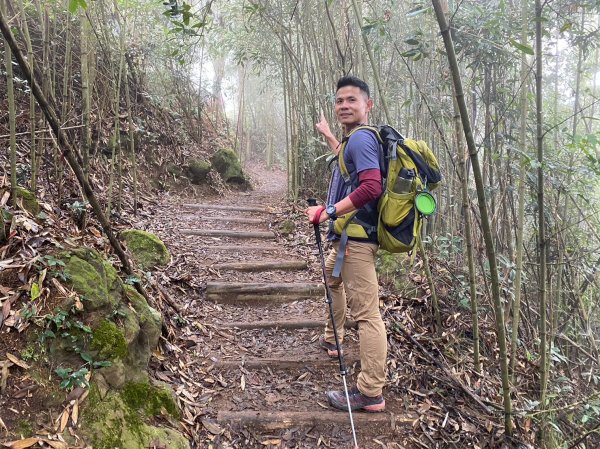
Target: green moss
(174,170)
(149,399)
(108,340)
(24,428)
(93,277)
(198,170)
(30,204)
(111,422)
(226,162)
(287,227)
(147,250)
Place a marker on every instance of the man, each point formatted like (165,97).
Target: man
(357,286)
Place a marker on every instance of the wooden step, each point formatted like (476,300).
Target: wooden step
(234,248)
(297,362)
(286,419)
(227,233)
(284,265)
(227,207)
(225,219)
(239,291)
(283,324)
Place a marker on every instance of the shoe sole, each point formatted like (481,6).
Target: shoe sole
(373,408)
(330,352)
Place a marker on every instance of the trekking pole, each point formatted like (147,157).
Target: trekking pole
(343,372)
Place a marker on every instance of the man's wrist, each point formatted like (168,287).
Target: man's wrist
(331,212)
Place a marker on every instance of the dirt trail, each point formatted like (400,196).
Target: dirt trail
(244,362)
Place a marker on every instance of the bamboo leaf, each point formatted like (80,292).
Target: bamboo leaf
(522,47)
(417,11)
(22,444)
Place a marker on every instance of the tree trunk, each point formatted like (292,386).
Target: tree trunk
(12,112)
(516,309)
(32,106)
(462,161)
(485,221)
(541,225)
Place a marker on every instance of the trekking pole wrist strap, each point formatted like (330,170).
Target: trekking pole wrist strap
(317,217)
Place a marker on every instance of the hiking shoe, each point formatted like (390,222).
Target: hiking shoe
(329,347)
(358,401)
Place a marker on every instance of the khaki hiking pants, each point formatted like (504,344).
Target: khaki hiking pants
(358,289)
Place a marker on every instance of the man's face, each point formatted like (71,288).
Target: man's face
(352,106)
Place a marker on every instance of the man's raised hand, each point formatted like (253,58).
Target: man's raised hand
(323,126)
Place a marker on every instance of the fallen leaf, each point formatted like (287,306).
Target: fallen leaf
(17,361)
(243,382)
(22,444)
(56,444)
(274,441)
(212,427)
(75,412)
(64,419)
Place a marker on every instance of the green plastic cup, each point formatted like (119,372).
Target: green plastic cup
(425,203)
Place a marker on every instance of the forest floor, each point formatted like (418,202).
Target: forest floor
(242,351)
(243,304)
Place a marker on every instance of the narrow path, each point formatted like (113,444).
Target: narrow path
(245,361)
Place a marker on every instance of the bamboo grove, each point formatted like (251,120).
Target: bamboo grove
(505,92)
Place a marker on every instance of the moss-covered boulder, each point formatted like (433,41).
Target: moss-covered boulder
(174,170)
(226,162)
(143,331)
(287,227)
(93,277)
(124,328)
(119,419)
(27,198)
(197,170)
(147,250)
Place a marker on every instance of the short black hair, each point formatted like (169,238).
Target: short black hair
(350,80)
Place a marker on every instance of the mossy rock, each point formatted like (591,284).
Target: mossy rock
(151,400)
(119,419)
(287,227)
(108,341)
(147,250)
(30,203)
(174,170)
(227,163)
(125,329)
(198,170)
(142,328)
(93,277)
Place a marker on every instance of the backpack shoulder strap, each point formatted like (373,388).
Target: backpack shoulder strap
(341,162)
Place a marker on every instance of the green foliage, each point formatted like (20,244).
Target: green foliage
(184,21)
(448,246)
(522,47)
(74,5)
(71,379)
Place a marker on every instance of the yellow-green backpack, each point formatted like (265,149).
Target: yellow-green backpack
(408,168)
